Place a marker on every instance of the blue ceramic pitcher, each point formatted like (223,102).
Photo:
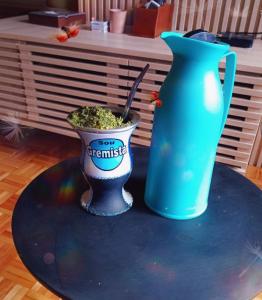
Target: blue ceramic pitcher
(188,126)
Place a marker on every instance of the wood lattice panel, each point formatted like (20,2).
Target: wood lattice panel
(12,91)
(218,15)
(211,15)
(56,79)
(60,80)
(243,120)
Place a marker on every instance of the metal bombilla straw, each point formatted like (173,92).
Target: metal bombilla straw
(133,91)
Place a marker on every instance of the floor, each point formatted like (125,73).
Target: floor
(19,164)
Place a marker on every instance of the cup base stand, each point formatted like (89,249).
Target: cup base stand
(86,202)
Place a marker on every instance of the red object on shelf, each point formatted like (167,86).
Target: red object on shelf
(152,21)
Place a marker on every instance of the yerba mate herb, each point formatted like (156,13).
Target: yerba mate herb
(96,117)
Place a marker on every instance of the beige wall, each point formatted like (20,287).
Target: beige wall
(16,7)
(23,4)
(66,4)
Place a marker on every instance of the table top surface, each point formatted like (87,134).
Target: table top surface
(140,255)
(19,28)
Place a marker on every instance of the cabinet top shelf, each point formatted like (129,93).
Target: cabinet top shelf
(19,28)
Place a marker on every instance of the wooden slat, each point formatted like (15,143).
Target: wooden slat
(122,4)
(54,106)
(4,54)
(129,4)
(93,9)
(8,97)
(241,78)
(145,125)
(256,154)
(8,45)
(244,16)
(247,103)
(241,145)
(87,11)
(48,113)
(235,16)
(107,8)
(74,74)
(208,15)
(242,124)
(243,155)
(155,77)
(11,81)
(25,57)
(153,65)
(231,162)
(100,5)
(250,69)
(259,27)
(11,73)
(80,5)
(200,14)
(7,63)
(52,121)
(84,95)
(85,55)
(13,105)
(139,141)
(191,15)
(240,134)
(183,13)
(216,20)
(76,84)
(147,87)
(243,113)
(255,10)
(11,90)
(76,93)
(114,3)
(258,131)
(75,65)
(175,16)
(240,90)
(248,92)
(7,111)
(259,162)
(137,2)
(226,15)
(50,128)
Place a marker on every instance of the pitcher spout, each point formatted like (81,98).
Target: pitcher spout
(171,38)
(192,48)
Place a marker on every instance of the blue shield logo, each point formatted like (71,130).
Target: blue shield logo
(107,154)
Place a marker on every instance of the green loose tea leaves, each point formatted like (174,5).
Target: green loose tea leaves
(96,117)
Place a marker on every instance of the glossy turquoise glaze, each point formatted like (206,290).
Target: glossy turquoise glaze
(188,126)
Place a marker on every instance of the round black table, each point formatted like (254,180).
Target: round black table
(140,255)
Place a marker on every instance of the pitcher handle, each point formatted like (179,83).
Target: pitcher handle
(230,71)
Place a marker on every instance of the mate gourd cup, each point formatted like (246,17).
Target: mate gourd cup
(106,162)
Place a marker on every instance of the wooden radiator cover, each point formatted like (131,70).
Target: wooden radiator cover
(44,82)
